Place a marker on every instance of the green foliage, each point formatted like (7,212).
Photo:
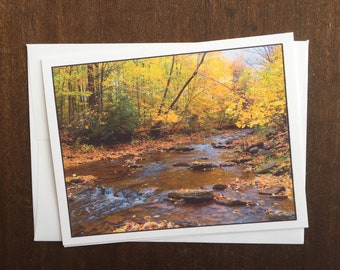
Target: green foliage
(264,131)
(117,123)
(87,148)
(121,120)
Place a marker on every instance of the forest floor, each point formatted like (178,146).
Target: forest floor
(257,152)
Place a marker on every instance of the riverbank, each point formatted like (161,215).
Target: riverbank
(74,155)
(259,153)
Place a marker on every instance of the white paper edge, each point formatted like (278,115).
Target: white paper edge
(68,240)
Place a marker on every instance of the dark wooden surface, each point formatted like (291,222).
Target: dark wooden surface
(86,21)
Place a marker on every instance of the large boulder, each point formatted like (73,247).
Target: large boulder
(258,145)
(263,152)
(272,190)
(218,145)
(219,186)
(266,168)
(181,148)
(192,195)
(227,164)
(181,164)
(203,166)
(229,201)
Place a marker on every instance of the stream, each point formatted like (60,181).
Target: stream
(132,193)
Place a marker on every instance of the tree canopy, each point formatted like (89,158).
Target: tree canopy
(111,101)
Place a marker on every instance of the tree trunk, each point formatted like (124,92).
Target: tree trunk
(100,89)
(70,99)
(91,87)
(167,86)
(194,74)
(157,127)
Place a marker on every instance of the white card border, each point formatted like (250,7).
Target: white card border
(141,50)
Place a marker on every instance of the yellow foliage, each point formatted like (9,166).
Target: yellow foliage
(266,100)
(221,92)
(172,117)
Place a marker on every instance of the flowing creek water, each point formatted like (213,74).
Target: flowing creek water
(129,194)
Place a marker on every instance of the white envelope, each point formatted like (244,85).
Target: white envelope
(45,207)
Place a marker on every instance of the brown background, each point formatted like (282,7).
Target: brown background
(51,21)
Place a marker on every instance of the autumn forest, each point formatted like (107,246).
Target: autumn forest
(104,103)
(175,141)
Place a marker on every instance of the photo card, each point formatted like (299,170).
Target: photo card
(182,141)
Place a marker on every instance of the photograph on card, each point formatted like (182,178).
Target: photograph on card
(176,141)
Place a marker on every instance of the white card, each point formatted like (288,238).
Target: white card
(43,190)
